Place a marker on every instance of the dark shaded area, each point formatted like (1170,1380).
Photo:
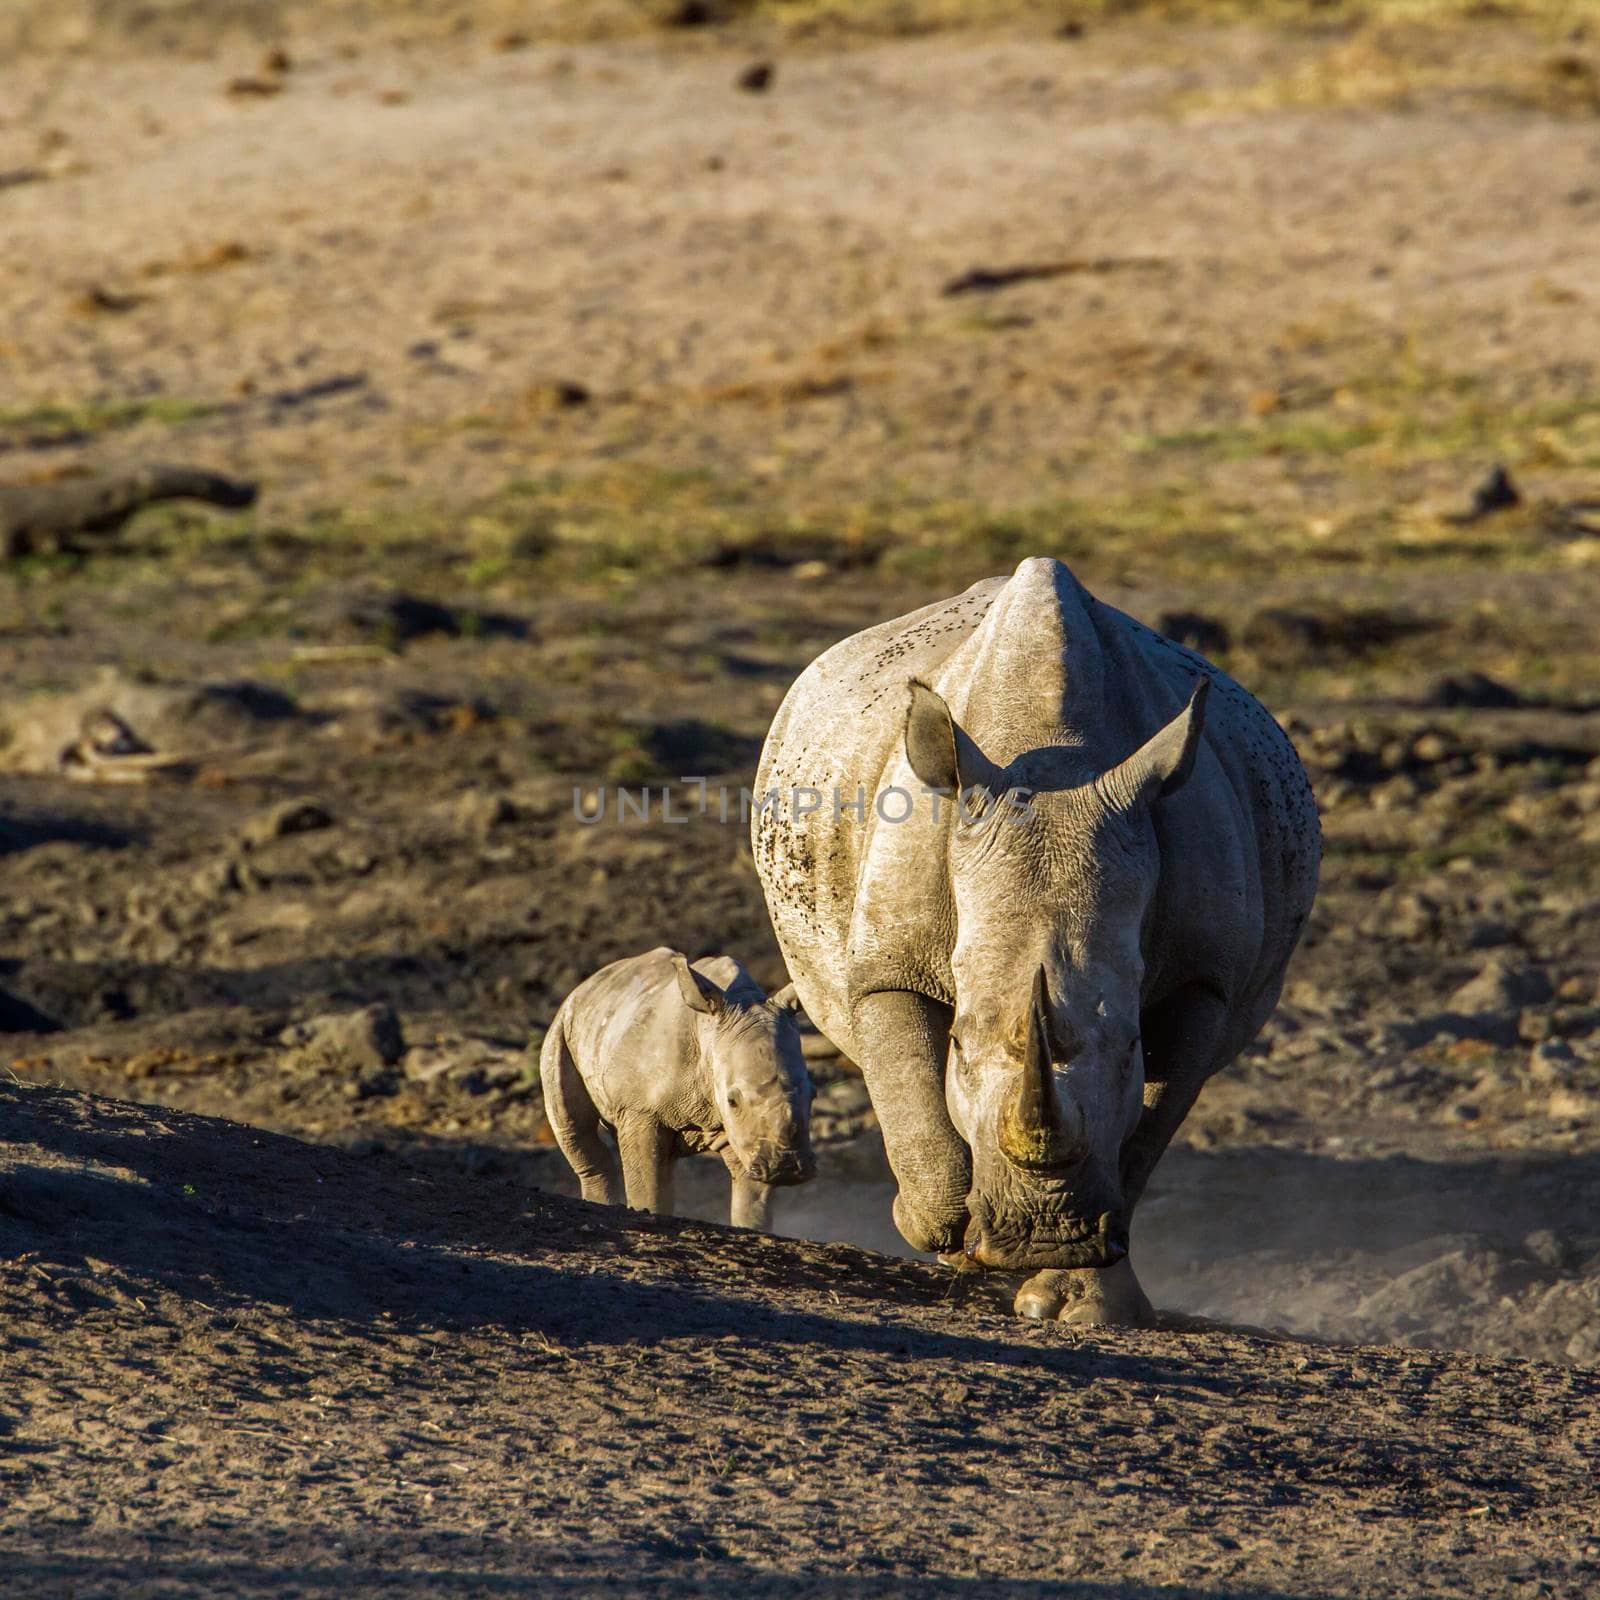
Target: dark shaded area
(395,617)
(1208,635)
(1495,493)
(690,1563)
(18,1016)
(985,280)
(693,746)
(33,828)
(1476,691)
(1286,636)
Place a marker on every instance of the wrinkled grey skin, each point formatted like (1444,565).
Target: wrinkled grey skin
(1036,996)
(676,1059)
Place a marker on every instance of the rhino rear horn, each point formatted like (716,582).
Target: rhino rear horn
(698,991)
(1162,763)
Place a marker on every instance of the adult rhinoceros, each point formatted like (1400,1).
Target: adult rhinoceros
(1037,982)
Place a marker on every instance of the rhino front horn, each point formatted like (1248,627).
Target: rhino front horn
(1033,1132)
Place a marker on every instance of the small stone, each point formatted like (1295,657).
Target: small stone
(1532,1026)
(357,1040)
(1487,934)
(1575,1022)
(757,77)
(1502,986)
(481,811)
(1474,690)
(1549,1249)
(1584,1347)
(1551,1061)
(279,821)
(1495,493)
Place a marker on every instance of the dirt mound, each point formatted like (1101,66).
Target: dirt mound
(237,1361)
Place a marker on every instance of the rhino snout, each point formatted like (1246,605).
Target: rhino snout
(780,1166)
(1071,1242)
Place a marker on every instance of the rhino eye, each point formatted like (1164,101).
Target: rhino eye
(734,1097)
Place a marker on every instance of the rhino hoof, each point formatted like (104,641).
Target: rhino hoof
(1087,1297)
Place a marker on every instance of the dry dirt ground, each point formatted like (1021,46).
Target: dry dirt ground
(589,396)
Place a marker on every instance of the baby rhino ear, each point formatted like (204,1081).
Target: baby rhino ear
(698,991)
(786,997)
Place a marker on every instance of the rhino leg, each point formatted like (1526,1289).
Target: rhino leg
(752,1204)
(648,1151)
(901,1041)
(1184,1044)
(1183,1040)
(576,1123)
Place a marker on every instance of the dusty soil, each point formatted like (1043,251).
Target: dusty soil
(295,1371)
(589,397)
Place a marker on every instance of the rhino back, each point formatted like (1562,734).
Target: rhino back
(634,1039)
(1048,664)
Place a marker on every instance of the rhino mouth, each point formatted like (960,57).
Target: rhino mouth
(783,1169)
(1071,1242)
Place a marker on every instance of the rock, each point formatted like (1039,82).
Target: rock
(478,812)
(1549,1249)
(1473,690)
(371,1082)
(1551,1061)
(1575,1022)
(395,616)
(279,821)
(354,1040)
(756,78)
(1583,1347)
(1502,986)
(556,394)
(1495,493)
(1486,934)
(691,13)
(1413,916)
(1532,1026)
(1195,630)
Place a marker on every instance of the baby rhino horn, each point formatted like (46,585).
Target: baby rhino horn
(786,998)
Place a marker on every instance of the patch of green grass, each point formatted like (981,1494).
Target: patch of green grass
(96,416)
(1399,418)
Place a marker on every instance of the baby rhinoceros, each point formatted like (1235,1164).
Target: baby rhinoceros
(675,1059)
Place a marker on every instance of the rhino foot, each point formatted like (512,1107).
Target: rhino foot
(935,1232)
(1089,1297)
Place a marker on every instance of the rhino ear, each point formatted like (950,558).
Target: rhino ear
(940,753)
(931,739)
(698,991)
(786,998)
(1163,763)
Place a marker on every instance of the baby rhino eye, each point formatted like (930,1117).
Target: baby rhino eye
(734,1098)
